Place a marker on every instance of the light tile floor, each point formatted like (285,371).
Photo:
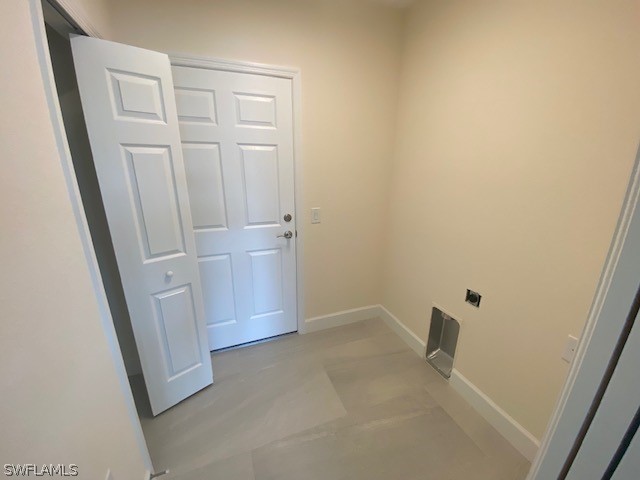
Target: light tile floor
(352,402)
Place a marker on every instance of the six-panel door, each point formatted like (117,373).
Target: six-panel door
(129,108)
(237,142)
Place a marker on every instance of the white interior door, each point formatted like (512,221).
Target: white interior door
(237,142)
(129,108)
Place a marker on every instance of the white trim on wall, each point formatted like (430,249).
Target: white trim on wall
(293,74)
(415,343)
(518,436)
(344,317)
(237,66)
(46,70)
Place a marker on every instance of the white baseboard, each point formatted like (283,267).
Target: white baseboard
(403,332)
(338,319)
(521,439)
(345,317)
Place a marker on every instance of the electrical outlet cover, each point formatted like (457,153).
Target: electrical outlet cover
(570,348)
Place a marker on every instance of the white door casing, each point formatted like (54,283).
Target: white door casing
(129,108)
(237,139)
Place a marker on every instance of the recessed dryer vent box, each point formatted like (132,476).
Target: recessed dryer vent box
(441,345)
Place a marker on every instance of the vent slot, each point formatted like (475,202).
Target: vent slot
(443,339)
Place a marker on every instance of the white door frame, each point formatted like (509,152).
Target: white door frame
(293,74)
(46,70)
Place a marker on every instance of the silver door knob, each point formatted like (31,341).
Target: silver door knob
(169,274)
(288,234)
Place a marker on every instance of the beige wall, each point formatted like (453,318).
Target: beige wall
(349,56)
(61,400)
(518,126)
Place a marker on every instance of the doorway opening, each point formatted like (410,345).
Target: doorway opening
(260,161)
(58,28)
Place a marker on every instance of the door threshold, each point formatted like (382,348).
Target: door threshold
(255,342)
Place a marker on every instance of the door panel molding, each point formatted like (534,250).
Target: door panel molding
(293,74)
(132,124)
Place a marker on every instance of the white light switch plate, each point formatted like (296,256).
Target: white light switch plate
(570,348)
(315,215)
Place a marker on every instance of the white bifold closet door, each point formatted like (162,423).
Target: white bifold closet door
(237,143)
(129,106)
